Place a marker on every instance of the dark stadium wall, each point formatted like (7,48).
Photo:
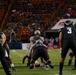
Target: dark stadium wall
(15,45)
(53,34)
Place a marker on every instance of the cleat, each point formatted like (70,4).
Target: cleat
(74,68)
(31,66)
(51,66)
(69,64)
(46,67)
(13,69)
(60,73)
(28,65)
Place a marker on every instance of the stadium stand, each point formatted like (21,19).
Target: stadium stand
(67,10)
(31,12)
(25,16)
(3,7)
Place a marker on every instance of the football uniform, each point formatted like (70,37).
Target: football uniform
(2,56)
(68,40)
(40,50)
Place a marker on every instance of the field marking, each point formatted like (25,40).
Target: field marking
(18,54)
(56,74)
(66,74)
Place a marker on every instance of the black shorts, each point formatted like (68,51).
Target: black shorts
(40,51)
(66,45)
(2,51)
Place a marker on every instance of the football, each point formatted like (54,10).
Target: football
(37,64)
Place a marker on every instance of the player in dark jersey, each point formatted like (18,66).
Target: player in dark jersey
(7,51)
(39,50)
(2,54)
(67,40)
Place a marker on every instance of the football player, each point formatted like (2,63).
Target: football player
(67,40)
(39,49)
(28,55)
(7,55)
(2,54)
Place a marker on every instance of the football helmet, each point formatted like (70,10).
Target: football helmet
(68,23)
(37,32)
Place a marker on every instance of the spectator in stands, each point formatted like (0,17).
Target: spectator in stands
(51,40)
(25,11)
(56,40)
(13,36)
(46,40)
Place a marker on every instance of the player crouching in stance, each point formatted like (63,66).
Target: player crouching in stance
(28,55)
(67,40)
(39,50)
(9,60)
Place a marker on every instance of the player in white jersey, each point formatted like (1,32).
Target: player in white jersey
(39,49)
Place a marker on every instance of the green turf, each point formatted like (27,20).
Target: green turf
(23,70)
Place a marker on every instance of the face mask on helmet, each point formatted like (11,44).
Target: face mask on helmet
(68,23)
(37,33)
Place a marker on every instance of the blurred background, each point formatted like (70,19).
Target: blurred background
(20,18)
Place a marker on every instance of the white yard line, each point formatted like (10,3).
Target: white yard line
(16,53)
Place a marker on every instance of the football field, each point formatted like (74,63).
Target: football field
(17,56)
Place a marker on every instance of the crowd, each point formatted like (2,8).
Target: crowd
(32,15)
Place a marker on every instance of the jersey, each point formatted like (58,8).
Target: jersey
(37,41)
(34,39)
(68,40)
(68,32)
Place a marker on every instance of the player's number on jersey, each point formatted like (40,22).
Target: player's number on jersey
(69,30)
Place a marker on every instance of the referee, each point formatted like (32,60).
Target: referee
(2,54)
